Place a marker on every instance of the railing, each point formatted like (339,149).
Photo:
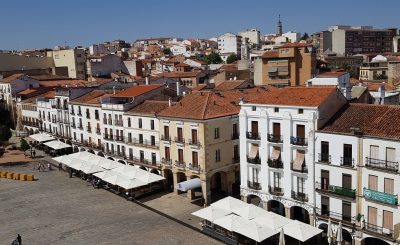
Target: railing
(298,141)
(119,138)
(347,162)
(303,168)
(80,126)
(119,123)
(109,121)
(32,124)
(275,138)
(108,136)
(275,163)
(105,121)
(73,125)
(253,185)
(235,136)
(72,113)
(299,196)
(255,160)
(79,113)
(143,143)
(381,164)
(167,162)
(277,191)
(179,140)
(165,137)
(180,164)
(144,161)
(380,196)
(194,142)
(253,135)
(324,158)
(98,131)
(194,168)
(326,214)
(235,160)
(337,190)
(378,230)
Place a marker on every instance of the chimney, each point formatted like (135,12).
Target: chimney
(147,80)
(234,78)
(382,94)
(347,92)
(178,92)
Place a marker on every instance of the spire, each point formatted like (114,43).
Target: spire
(279,26)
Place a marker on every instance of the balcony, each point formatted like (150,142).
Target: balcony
(180,164)
(166,162)
(194,168)
(80,127)
(336,190)
(302,169)
(96,117)
(79,113)
(235,136)
(166,138)
(119,138)
(108,137)
(299,196)
(275,163)
(381,164)
(88,129)
(298,141)
(98,131)
(347,162)
(378,230)
(324,158)
(179,140)
(253,135)
(255,160)
(346,219)
(73,125)
(381,197)
(143,143)
(253,185)
(274,138)
(194,142)
(105,121)
(276,191)
(119,123)
(72,113)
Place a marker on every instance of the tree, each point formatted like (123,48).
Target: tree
(167,51)
(231,58)
(24,145)
(5,133)
(213,58)
(305,36)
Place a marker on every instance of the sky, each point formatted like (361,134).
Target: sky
(27,24)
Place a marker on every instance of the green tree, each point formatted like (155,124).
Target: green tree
(24,145)
(305,36)
(5,133)
(231,58)
(167,51)
(213,58)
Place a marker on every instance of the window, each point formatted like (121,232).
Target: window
(300,130)
(218,155)
(166,132)
(153,158)
(141,154)
(195,159)
(389,186)
(235,134)
(236,152)
(346,211)
(347,155)
(96,114)
(300,184)
(346,181)
(216,133)
(167,154)
(324,179)
(277,180)
(255,175)
(140,123)
(324,151)
(153,140)
(180,155)
(372,216)
(276,109)
(300,111)
(253,108)
(194,136)
(324,205)
(129,121)
(140,138)
(387,220)
(373,182)
(152,124)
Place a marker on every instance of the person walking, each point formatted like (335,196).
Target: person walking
(19,239)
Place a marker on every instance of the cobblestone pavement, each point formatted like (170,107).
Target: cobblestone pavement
(58,210)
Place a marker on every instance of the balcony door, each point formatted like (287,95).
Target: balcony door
(324,179)
(194,136)
(141,154)
(301,132)
(195,159)
(390,154)
(167,154)
(374,152)
(254,127)
(347,154)
(346,181)
(276,129)
(166,132)
(346,211)
(300,185)
(372,216)
(325,205)
(324,151)
(180,155)
(180,134)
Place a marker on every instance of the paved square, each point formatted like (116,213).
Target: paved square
(58,210)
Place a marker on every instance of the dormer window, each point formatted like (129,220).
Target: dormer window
(301,111)
(253,108)
(276,109)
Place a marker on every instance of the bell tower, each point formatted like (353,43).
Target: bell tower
(279,27)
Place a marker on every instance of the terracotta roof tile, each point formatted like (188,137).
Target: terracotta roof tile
(177,74)
(373,120)
(94,97)
(296,45)
(149,107)
(229,85)
(137,90)
(270,54)
(12,78)
(296,96)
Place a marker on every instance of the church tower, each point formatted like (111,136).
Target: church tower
(279,27)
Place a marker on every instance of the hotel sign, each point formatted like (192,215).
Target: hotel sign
(380,196)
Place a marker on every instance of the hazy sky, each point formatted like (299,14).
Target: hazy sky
(26,24)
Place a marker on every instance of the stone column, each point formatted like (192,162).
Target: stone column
(287,212)
(206,189)
(175,182)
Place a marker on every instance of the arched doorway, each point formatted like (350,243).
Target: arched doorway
(76,149)
(68,142)
(276,207)
(121,161)
(180,177)
(169,179)
(373,241)
(83,149)
(300,214)
(30,131)
(143,168)
(155,171)
(91,151)
(347,238)
(110,158)
(255,200)
(37,131)
(100,154)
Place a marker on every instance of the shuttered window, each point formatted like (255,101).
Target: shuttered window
(373,182)
(389,186)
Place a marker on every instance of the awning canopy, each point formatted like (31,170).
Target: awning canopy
(57,145)
(229,204)
(189,184)
(272,220)
(211,213)
(273,69)
(41,137)
(249,211)
(276,153)
(300,231)
(253,151)
(298,161)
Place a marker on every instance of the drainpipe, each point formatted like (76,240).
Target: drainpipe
(359,167)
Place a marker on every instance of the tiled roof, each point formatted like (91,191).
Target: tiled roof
(296,45)
(270,54)
(137,90)
(296,96)
(74,83)
(94,97)
(48,77)
(12,78)
(332,74)
(182,65)
(229,85)
(177,74)
(149,107)
(373,120)
(208,105)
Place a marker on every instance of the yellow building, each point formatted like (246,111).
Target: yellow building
(200,139)
(290,65)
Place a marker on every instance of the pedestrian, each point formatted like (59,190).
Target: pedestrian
(59,166)
(34,153)
(49,166)
(19,239)
(98,184)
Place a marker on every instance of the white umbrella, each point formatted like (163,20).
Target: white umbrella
(249,211)
(127,184)
(90,169)
(272,220)
(282,237)
(301,231)
(252,230)
(148,177)
(211,213)
(109,164)
(339,234)
(105,174)
(229,203)
(228,222)
(329,233)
